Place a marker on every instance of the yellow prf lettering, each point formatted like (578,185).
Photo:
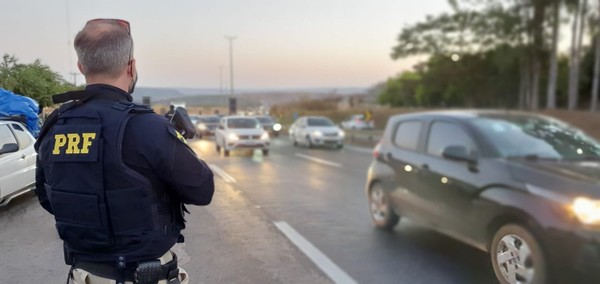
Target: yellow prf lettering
(73,142)
(59,141)
(87,142)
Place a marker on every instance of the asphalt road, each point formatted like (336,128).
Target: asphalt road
(296,216)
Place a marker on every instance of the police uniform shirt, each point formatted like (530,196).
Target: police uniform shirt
(152,147)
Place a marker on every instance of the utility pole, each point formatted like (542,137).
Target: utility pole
(74,78)
(220,80)
(232,101)
(69,46)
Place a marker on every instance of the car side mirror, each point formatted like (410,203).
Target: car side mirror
(459,153)
(9,148)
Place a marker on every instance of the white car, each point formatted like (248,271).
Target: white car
(316,131)
(240,132)
(17,160)
(357,122)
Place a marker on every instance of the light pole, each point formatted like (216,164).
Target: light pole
(69,46)
(220,80)
(232,103)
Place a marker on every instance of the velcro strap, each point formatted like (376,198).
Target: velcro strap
(71,96)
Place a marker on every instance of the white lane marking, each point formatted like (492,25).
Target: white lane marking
(317,160)
(359,149)
(224,175)
(320,259)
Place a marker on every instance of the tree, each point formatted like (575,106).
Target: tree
(596,76)
(33,80)
(401,91)
(551,91)
(477,26)
(576,43)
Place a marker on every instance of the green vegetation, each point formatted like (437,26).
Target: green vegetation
(33,80)
(500,53)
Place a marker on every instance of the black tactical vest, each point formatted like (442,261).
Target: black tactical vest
(104,210)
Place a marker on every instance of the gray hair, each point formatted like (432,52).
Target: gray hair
(103,49)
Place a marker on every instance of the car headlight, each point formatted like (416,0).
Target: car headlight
(277,127)
(202,126)
(341,133)
(587,210)
(233,137)
(264,136)
(317,133)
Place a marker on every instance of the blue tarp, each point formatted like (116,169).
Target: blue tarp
(13,104)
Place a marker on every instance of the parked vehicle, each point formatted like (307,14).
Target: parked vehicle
(357,122)
(17,160)
(522,187)
(270,125)
(316,131)
(241,132)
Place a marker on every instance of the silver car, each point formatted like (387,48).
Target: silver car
(17,160)
(316,131)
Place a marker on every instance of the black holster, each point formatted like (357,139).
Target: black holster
(150,272)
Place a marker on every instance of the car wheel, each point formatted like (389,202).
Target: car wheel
(226,153)
(294,141)
(265,152)
(218,148)
(382,213)
(517,256)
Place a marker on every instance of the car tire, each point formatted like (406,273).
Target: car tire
(226,153)
(382,212)
(265,152)
(294,141)
(512,246)
(218,148)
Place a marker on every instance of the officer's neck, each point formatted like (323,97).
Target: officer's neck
(121,82)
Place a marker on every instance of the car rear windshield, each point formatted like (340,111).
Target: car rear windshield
(210,119)
(242,123)
(265,119)
(532,136)
(318,121)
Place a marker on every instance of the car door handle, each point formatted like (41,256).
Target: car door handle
(23,157)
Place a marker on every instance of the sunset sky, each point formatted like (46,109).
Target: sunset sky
(181,43)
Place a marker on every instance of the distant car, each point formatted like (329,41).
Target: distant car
(357,122)
(316,131)
(270,125)
(206,124)
(17,160)
(241,132)
(522,187)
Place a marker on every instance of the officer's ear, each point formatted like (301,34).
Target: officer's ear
(80,67)
(131,67)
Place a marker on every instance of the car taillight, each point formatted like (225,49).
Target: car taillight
(376,150)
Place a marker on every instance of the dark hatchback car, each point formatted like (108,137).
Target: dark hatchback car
(522,187)
(206,124)
(270,125)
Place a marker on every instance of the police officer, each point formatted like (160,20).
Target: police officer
(114,174)
(169,115)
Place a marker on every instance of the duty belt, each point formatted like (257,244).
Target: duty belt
(143,272)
